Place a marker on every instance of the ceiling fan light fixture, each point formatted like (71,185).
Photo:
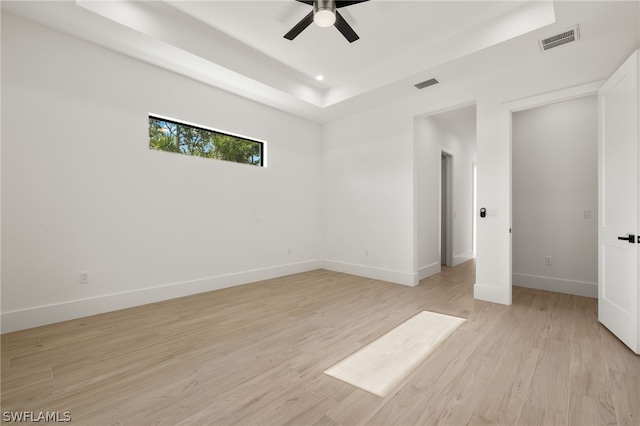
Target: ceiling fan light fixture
(324,13)
(324,18)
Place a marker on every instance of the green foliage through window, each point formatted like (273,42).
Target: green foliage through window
(171,136)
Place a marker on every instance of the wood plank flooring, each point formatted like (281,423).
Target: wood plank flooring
(255,354)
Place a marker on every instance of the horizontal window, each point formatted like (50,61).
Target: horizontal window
(173,136)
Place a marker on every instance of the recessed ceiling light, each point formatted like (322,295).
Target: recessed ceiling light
(319,77)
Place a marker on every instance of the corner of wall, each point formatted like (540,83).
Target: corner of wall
(461,258)
(396,277)
(429,270)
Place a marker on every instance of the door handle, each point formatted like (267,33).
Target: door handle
(631,238)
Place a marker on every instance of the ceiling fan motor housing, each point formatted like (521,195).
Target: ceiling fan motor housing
(324,12)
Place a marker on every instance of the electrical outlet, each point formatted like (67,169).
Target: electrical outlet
(587,214)
(366,252)
(547,260)
(289,251)
(84,278)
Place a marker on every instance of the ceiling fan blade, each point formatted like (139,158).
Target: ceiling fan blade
(345,28)
(309,2)
(345,3)
(299,27)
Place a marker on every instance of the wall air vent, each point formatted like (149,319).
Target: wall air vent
(567,36)
(427,83)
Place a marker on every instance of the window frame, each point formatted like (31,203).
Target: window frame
(262,144)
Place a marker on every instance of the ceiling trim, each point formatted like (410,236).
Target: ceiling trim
(173,39)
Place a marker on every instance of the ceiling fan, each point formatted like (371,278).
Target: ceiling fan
(324,14)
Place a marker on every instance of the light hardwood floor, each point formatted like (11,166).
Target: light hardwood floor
(254,354)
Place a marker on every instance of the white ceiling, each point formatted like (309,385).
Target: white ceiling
(389,30)
(239,46)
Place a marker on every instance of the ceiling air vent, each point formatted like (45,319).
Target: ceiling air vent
(567,36)
(427,83)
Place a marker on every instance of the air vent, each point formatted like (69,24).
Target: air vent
(567,36)
(427,83)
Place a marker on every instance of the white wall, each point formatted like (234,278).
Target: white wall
(427,166)
(555,179)
(433,135)
(81,191)
(368,196)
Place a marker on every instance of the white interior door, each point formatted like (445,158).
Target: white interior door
(618,193)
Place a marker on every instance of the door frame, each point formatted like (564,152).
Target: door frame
(474,207)
(446,211)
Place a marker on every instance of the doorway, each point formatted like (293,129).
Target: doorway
(445,151)
(555,197)
(446,214)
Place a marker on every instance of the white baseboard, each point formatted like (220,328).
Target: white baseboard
(491,293)
(49,314)
(396,277)
(577,288)
(461,258)
(427,271)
